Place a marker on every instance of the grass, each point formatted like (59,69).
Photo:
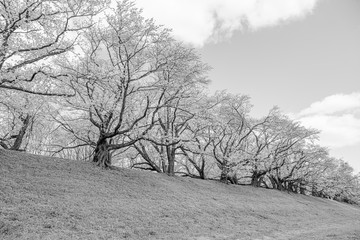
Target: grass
(50,198)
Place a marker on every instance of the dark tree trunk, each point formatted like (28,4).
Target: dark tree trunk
(170,151)
(255,181)
(224,174)
(102,156)
(257,178)
(277,183)
(280,185)
(202,170)
(20,136)
(302,188)
(227,175)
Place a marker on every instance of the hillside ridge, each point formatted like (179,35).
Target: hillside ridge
(51,198)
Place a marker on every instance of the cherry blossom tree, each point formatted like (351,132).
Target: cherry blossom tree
(118,91)
(32,32)
(186,74)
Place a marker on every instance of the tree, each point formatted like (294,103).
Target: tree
(276,144)
(230,134)
(197,160)
(292,175)
(17,115)
(287,150)
(197,154)
(25,122)
(336,181)
(185,74)
(33,31)
(117,90)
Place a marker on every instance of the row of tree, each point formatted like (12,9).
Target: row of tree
(83,80)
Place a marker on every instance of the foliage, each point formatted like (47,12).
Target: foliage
(34,31)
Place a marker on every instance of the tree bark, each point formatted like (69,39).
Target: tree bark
(302,188)
(227,175)
(277,183)
(171,160)
(202,170)
(256,178)
(102,156)
(224,174)
(20,136)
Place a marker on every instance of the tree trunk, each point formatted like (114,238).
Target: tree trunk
(224,173)
(142,151)
(202,170)
(280,185)
(255,181)
(20,136)
(302,188)
(232,177)
(170,151)
(102,156)
(277,183)
(257,178)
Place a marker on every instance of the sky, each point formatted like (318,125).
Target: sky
(300,55)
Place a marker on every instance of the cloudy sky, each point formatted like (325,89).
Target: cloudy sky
(301,55)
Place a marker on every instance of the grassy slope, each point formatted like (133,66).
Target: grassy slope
(48,198)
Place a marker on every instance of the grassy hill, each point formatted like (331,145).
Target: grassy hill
(50,198)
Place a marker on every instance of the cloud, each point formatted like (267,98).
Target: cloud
(338,118)
(333,104)
(201,21)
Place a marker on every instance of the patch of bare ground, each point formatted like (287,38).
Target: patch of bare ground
(50,198)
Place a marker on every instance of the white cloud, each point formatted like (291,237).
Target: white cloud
(334,104)
(200,21)
(337,116)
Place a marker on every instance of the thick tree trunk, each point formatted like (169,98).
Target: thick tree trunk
(255,181)
(257,175)
(171,168)
(227,175)
(224,174)
(280,185)
(257,178)
(302,188)
(102,156)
